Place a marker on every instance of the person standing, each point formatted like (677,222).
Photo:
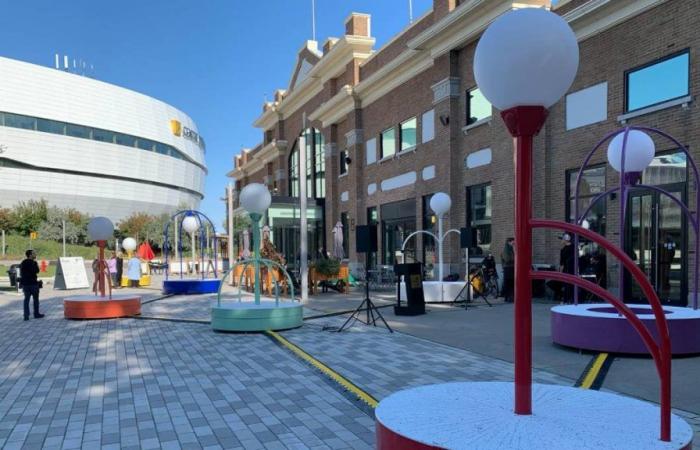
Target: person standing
(120,270)
(112,266)
(566,264)
(508,262)
(28,271)
(133,271)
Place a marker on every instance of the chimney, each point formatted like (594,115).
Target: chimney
(441,8)
(357,24)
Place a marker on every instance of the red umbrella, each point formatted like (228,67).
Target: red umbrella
(145,252)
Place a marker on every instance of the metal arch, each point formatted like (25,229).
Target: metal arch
(268,263)
(695,222)
(660,351)
(198,215)
(438,239)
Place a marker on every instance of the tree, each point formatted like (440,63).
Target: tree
(7,219)
(135,225)
(52,227)
(29,215)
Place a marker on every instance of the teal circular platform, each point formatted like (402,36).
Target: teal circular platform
(248,316)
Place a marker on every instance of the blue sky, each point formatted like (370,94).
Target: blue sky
(214,59)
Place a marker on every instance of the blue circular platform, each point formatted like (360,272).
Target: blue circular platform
(191,286)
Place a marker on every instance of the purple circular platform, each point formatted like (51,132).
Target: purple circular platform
(598,327)
(479,415)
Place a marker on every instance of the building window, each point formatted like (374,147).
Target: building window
(145,144)
(658,82)
(479,217)
(78,131)
(315,166)
(407,133)
(592,184)
(125,139)
(371,151)
(428,126)
(19,121)
(587,106)
(107,136)
(398,222)
(478,108)
(342,163)
(268,136)
(388,143)
(319,165)
(294,173)
(51,126)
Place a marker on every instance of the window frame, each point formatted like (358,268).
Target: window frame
(569,193)
(628,72)
(382,154)
(468,107)
(415,137)
(342,164)
(468,221)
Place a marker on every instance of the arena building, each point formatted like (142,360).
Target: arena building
(101,149)
(386,128)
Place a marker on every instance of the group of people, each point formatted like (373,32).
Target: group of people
(115,266)
(591,263)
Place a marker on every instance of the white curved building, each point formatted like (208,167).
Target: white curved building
(102,149)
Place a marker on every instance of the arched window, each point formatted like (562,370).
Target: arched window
(315,166)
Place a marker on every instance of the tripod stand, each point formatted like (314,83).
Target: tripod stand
(477,293)
(370,308)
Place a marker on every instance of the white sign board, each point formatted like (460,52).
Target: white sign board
(71,274)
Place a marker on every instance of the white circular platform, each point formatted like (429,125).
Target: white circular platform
(479,415)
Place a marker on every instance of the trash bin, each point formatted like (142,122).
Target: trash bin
(13,273)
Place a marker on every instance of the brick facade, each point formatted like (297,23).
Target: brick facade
(608,48)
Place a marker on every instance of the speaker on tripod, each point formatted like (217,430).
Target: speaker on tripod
(366,242)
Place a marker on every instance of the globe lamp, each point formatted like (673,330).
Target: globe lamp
(255,198)
(100,229)
(190,224)
(129,244)
(639,151)
(440,203)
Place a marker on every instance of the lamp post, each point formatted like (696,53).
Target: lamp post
(524,63)
(440,203)
(629,153)
(100,229)
(255,198)
(191,224)
(129,244)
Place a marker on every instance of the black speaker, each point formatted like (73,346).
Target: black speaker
(366,238)
(465,237)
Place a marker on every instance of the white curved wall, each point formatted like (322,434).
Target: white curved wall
(44,92)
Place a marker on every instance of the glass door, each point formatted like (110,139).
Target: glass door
(655,241)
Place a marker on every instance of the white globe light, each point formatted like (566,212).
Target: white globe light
(527,57)
(586,224)
(100,229)
(440,203)
(190,224)
(129,244)
(255,198)
(639,151)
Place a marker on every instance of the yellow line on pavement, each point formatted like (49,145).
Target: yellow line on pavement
(593,371)
(332,374)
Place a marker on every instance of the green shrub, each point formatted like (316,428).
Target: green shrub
(327,267)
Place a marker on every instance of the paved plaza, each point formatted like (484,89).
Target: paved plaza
(165,380)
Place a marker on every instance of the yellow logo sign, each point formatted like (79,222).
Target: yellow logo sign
(33,235)
(176,127)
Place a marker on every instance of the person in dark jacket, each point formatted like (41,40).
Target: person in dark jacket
(28,271)
(508,262)
(567,254)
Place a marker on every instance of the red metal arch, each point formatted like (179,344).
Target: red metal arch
(660,351)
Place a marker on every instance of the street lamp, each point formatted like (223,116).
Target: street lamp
(638,150)
(255,198)
(524,63)
(100,229)
(190,225)
(129,244)
(440,203)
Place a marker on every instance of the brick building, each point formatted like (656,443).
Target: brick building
(386,128)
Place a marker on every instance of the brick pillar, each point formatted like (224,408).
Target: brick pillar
(357,24)
(441,8)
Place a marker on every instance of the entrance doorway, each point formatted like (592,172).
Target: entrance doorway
(656,241)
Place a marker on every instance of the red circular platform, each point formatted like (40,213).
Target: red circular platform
(95,307)
(479,415)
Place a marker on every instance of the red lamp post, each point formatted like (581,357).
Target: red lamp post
(524,63)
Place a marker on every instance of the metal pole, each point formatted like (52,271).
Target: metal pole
(229,200)
(313,29)
(304,250)
(175,242)
(410,11)
(3,242)
(64,238)
(440,269)
(194,254)
(256,254)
